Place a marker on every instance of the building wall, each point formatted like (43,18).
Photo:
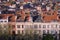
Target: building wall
(34,27)
(52,26)
(41,28)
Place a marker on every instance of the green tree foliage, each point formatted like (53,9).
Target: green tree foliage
(48,37)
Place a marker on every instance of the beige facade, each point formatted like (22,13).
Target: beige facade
(20,27)
(52,27)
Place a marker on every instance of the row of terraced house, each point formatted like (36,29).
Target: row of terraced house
(40,17)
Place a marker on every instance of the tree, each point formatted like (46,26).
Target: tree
(1,29)
(48,37)
(9,28)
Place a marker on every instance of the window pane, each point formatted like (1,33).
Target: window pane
(22,31)
(53,31)
(44,31)
(35,31)
(59,31)
(48,31)
(35,26)
(47,26)
(31,26)
(44,26)
(59,26)
(39,31)
(39,26)
(13,26)
(22,26)
(56,25)
(5,26)
(18,31)
(18,26)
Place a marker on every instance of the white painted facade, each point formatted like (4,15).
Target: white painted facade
(52,27)
(3,20)
(37,27)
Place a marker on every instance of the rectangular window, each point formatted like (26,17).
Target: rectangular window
(13,26)
(31,26)
(5,26)
(52,26)
(22,31)
(59,26)
(18,31)
(48,31)
(44,31)
(39,31)
(47,26)
(5,21)
(22,26)
(56,25)
(39,26)
(26,26)
(35,26)
(53,31)
(18,26)
(35,31)
(59,31)
(44,26)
